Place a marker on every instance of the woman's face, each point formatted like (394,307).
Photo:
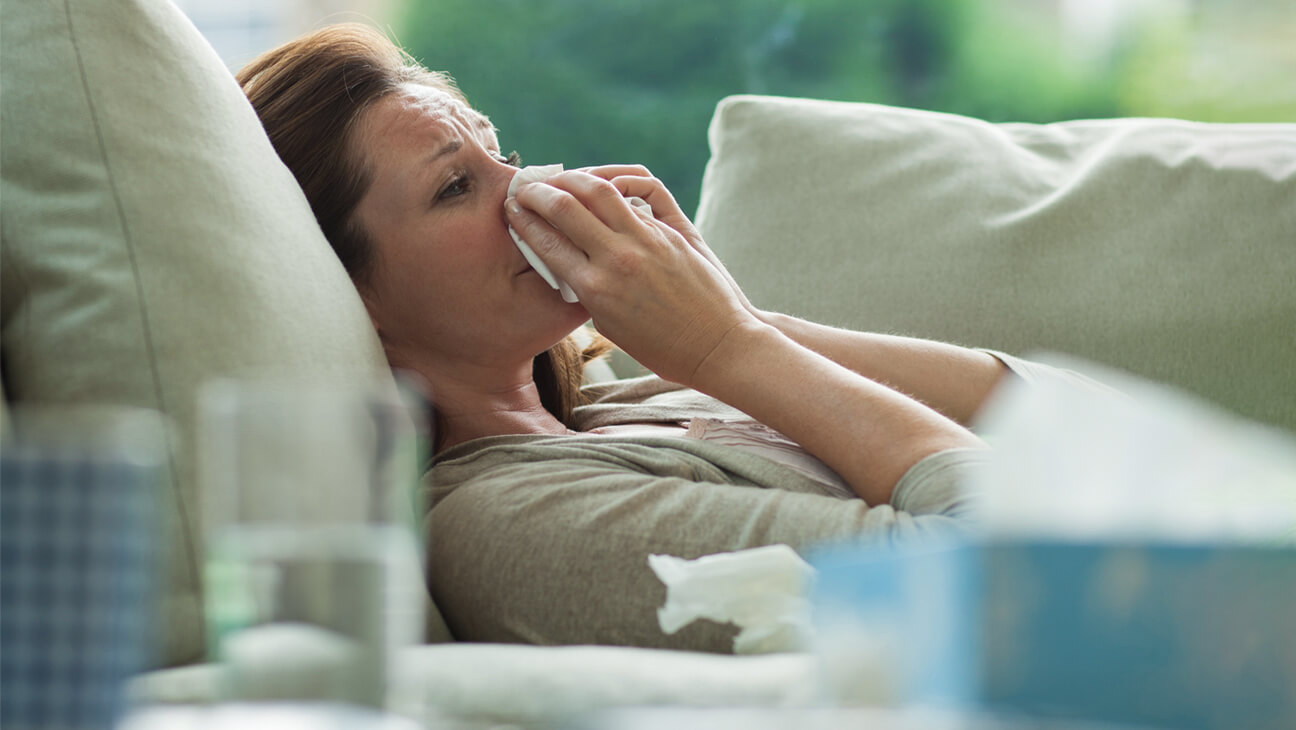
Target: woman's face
(448,286)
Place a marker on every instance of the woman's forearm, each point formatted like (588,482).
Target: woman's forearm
(952,380)
(652,286)
(867,432)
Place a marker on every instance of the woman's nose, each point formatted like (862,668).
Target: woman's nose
(502,173)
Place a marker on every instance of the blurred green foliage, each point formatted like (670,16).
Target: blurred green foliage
(596,81)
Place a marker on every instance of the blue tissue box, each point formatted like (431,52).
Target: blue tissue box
(1185,636)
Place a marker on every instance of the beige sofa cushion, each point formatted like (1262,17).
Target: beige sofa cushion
(152,240)
(471,684)
(1162,247)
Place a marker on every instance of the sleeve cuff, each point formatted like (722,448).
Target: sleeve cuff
(937,483)
(1033,373)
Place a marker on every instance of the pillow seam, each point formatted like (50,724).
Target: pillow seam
(139,291)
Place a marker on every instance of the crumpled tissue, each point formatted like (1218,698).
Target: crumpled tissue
(540,173)
(764,591)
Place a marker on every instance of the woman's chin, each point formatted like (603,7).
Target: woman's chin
(575,310)
(578,316)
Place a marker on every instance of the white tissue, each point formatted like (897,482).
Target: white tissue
(539,173)
(763,591)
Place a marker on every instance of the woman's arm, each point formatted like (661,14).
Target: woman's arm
(953,380)
(653,293)
(869,433)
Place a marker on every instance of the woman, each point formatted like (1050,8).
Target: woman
(546,500)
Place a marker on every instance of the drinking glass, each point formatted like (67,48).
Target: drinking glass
(313,578)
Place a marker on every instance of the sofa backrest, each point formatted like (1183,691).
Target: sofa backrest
(152,241)
(1165,248)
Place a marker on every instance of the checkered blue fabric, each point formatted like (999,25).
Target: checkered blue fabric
(78,567)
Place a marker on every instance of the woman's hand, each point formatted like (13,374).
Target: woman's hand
(636,180)
(648,285)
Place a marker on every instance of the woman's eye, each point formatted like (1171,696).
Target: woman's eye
(457,186)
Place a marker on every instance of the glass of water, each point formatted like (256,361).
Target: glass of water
(313,577)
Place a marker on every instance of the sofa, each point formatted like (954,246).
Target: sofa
(152,241)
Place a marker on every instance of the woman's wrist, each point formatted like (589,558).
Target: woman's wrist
(954,380)
(737,349)
(794,327)
(773,319)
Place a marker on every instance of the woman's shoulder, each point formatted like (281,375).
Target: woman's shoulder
(646,399)
(629,390)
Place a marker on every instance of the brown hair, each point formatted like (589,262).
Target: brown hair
(310,93)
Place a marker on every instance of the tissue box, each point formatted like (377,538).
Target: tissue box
(1181,635)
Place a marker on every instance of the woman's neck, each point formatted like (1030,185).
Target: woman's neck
(464,419)
(481,405)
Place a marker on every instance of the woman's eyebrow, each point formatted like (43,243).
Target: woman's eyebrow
(449,148)
(482,122)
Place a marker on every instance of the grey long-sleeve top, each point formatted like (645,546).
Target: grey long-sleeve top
(544,539)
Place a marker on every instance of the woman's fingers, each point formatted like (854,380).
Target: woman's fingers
(588,209)
(562,213)
(553,247)
(638,181)
(653,192)
(608,172)
(560,222)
